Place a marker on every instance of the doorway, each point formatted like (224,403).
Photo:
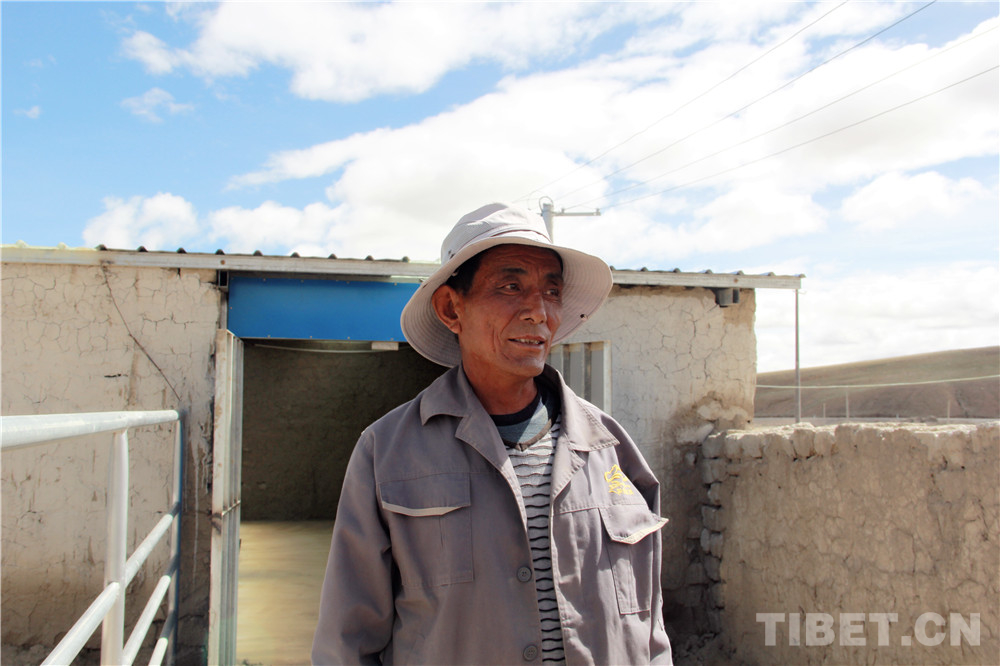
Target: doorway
(305,403)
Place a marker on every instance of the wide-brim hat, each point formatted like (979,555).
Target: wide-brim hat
(586,278)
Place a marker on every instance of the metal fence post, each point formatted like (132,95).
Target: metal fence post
(177,500)
(113,631)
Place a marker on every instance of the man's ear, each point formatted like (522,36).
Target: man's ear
(446,303)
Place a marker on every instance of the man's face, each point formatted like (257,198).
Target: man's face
(508,317)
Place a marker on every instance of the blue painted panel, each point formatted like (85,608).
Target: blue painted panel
(317,309)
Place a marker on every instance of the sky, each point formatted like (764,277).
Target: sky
(855,143)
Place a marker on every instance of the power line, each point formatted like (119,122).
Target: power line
(790,122)
(752,103)
(687,103)
(798,145)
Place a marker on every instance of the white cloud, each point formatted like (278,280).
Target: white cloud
(154,222)
(310,162)
(349,52)
(663,232)
(921,134)
(929,199)
(535,128)
(397,190)
(758,214)
(546,122)
(870,314)
(32,113)
(272,225)
(405,186)
(825,129)
(152,52)
(150,103)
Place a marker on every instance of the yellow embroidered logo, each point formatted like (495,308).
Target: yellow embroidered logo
(618,483)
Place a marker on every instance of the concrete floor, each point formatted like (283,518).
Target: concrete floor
(281,572)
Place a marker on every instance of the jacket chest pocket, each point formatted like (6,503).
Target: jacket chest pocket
(631,533)
(430,525)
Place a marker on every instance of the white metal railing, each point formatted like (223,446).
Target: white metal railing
(109,606)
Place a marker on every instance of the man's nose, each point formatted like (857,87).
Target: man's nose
(533,307)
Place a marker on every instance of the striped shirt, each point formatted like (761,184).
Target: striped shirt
(533,466)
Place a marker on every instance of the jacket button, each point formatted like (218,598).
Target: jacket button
(530,653)
(524,574)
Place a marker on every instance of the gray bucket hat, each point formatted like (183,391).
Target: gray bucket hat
(587,279)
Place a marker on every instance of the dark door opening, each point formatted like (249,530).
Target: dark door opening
(305,403)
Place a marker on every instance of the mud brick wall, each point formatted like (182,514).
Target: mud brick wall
(832,530)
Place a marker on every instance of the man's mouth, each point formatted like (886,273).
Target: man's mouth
(529,341)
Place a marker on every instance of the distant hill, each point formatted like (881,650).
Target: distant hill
(915,400)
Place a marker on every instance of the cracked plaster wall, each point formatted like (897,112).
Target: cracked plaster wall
(84,338)
(851,519)
(682,368)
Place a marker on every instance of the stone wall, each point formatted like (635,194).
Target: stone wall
(88,338)
(683,367)
(851,544)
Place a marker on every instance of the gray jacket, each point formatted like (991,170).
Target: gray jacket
(430,561)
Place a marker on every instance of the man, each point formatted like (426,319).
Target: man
(496,518)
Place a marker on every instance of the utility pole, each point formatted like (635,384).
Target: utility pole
(798,372)
(548,213)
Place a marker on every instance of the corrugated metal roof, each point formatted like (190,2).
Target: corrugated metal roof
(369,267)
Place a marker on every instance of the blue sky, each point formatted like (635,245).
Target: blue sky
(854,142)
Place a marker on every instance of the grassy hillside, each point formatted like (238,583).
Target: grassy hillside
(967,399)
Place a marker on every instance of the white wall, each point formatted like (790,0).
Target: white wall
(79,339)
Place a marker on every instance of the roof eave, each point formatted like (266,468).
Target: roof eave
(366,268)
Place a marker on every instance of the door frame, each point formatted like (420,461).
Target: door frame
(227,455)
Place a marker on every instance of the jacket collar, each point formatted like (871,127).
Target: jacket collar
(581,430)
(452,395)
